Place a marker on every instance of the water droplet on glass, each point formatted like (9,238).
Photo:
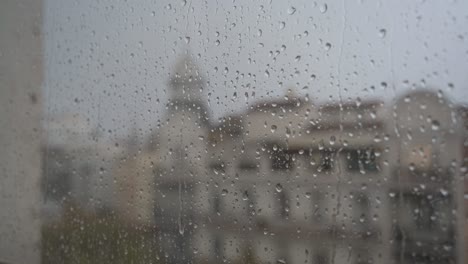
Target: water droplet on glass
(273,128)
(323,8)
(224,192)
(282,25)
(382,33)
(245,196)
(327,46)
(291,10)
(279,187)
(444,192)
(447,247)
(435,125)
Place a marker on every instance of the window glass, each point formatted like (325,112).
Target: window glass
(233,131)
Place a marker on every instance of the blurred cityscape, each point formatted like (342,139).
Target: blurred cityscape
(288,180)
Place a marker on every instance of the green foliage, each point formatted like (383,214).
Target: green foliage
(83,238)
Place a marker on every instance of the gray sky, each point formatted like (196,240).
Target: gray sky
(110,61)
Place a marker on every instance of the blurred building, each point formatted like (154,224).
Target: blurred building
(298,182)
(76,166)
(291,181)
(426,179)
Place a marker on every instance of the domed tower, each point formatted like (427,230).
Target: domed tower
(186,123)
(187,84)
(182,155)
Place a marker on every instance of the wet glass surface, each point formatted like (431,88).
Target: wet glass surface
(233,132)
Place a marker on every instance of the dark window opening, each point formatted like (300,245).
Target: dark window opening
(363,160)
(282,160)
(247,165)
(321,258)
(327,161)
(218,167)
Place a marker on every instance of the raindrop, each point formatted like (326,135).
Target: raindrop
(435,125)
(279,187)
(382,33)
(383,85)
(444,192)
(245,196)
(327,46)
(273,128)
(447,247)
(323,8)
(224,192)
(291,10)
(282,25)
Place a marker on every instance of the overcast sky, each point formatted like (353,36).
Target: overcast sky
(110,61)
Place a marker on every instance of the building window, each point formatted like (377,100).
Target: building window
(218,167)
(248,165)
(327,161)
(321,258)
(361,208)
(361,160)
(283,204)
(282,160)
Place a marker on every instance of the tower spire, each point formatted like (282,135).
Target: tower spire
(187,84)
